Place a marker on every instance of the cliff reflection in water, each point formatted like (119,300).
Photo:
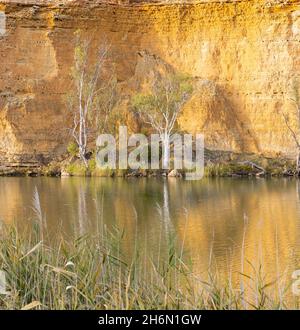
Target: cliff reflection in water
(213,218)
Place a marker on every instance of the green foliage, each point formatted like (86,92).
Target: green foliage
(223,170)
(98,81)
(77,169)
(93,170)
(93,96)
(72,149)
(161,105)
(107,172)
(165,93)
(141,100)
(92,164)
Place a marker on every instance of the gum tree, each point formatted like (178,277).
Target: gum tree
(93,96)
(161,106)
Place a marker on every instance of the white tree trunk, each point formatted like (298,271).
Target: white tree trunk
(82,138)
(166,151)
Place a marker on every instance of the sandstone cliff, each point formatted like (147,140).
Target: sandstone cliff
(244,55)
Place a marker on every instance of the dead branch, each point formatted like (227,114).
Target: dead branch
(253,165)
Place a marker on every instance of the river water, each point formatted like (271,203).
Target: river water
(220,221)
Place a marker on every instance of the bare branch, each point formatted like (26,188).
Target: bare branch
(88,86)
(291,130)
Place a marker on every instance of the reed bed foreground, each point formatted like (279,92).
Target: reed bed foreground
(88,273)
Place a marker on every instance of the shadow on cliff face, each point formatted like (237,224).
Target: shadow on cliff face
(215,117)
(208,111)
(148,68)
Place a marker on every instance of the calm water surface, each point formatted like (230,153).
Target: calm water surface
(213,219)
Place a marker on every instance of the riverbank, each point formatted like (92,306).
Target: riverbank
(217,164)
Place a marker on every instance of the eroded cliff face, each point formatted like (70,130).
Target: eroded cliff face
(244,56)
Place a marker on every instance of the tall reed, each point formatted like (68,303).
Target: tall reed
(89,272)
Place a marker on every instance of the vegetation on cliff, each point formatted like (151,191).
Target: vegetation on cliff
(93,97)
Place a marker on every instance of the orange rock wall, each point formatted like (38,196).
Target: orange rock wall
(244,54)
